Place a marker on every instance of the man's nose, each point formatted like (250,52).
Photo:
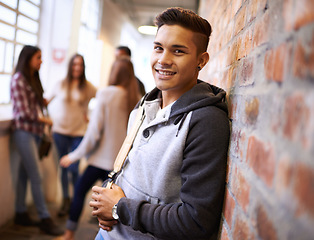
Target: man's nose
(165,58)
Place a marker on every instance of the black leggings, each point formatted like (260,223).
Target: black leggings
(83,185)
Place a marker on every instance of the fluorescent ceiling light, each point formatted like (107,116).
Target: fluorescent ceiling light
(149,30)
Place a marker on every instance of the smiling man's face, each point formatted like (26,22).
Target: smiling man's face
(174,59)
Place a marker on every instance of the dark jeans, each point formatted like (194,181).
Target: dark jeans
(84,184)
(66,144)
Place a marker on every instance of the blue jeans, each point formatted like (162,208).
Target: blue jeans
(66,144)
(27,146)
(84,184)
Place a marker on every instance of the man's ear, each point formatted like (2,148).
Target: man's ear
(203,58)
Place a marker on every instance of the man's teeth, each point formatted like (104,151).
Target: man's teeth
(165,73)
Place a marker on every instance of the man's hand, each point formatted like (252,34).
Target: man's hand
(65,161)
(103,201)
(107,225)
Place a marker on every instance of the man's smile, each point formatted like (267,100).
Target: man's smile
(165,72)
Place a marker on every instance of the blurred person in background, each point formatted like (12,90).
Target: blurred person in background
(104,136)
(70,118)
(125,52)
(28,127)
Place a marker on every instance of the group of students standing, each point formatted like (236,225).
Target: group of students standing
(75,134)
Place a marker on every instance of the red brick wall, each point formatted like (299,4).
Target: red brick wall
(262,54)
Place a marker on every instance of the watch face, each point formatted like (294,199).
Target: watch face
(114,212)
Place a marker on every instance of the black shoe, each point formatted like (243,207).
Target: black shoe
(24,220)
(65,207)
(49,227)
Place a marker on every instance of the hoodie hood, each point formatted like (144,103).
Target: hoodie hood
(201,95)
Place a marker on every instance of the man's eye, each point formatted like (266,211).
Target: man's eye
(157,48)
(178,51)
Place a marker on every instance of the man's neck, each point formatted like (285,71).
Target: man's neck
(165,101)
(169,96)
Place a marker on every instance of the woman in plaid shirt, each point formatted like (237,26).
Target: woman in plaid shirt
(28,124)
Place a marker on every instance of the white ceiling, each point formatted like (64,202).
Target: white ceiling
(143,12)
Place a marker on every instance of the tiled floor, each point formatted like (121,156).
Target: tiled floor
(88,227)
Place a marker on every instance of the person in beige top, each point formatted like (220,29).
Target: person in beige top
(68,110)
(104,136)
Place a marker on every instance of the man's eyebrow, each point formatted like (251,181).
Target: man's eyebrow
(179,46)
(173,46)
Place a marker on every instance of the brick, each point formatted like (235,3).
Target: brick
(215,79)
(284,174)
(288,13)
(252,111)
(260,157)
(274,62)
(227,18)
(232,53)
(237,143)
(304,188)
(275,113)
(236,4)
(212,47)
(303,62)
(228,78)
(261,30)
(228,34)
(241,188)
(209,68)
(296,115)
(224,79)
(229,164)
(231,76)
(246,72)
(270,69)
(232,106)
(224,234)
(298,13)
(222,60)
(254,7)
(228,208)
(240,20)
(223,4)
(265,228)
(241,229)
(245,44)
(304,10)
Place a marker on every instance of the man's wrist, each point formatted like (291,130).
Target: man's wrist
(115,212)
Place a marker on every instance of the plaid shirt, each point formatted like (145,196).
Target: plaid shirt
(25,106)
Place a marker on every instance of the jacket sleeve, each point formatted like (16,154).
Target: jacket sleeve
(94,130)
(203,175)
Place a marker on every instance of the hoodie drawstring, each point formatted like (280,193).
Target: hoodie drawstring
(177,120)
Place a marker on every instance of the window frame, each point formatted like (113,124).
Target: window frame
(17,44)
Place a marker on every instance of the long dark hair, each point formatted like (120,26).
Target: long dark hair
(23,66)
(122,74)
(69,77)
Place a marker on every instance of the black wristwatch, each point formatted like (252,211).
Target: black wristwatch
(115,212)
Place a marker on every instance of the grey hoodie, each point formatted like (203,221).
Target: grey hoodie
(174,176)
